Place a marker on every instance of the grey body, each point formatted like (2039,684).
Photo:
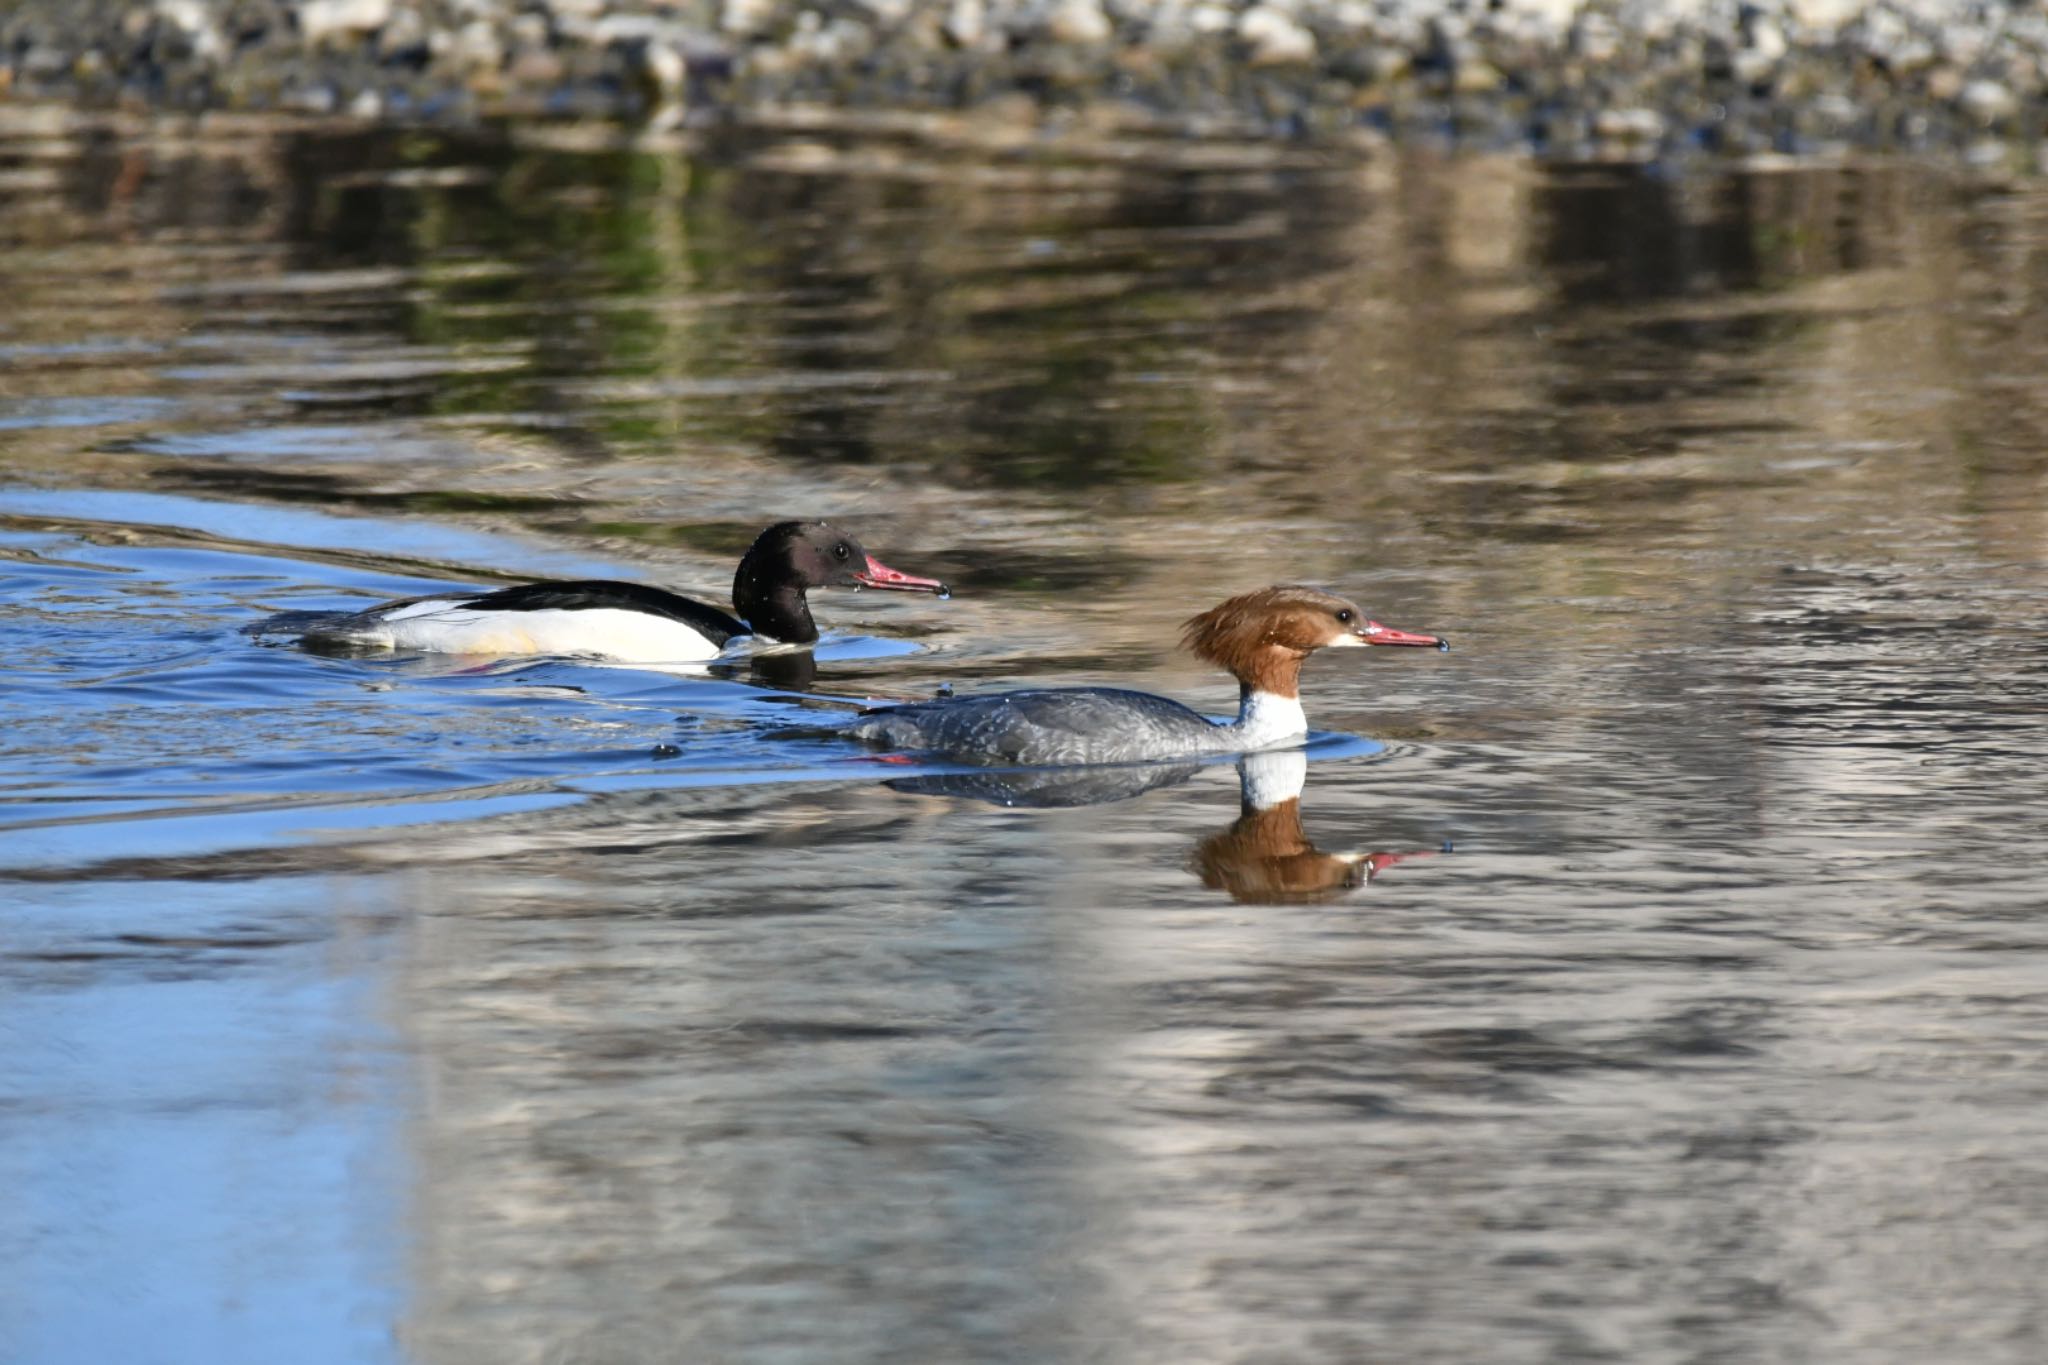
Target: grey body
(1261,637)
(1050,726)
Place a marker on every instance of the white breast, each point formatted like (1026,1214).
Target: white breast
(1264,720)
(447,627)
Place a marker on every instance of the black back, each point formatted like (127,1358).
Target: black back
(593,594)
(768,589)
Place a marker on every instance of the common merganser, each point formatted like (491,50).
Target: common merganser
(1261,637)
(625,622)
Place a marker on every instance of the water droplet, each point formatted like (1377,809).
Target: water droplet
(945,593)
(1443,646)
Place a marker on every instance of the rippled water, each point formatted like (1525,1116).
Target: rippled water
(399,1009)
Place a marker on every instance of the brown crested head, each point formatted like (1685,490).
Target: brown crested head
(1261,637)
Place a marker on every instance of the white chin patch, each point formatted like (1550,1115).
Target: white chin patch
(1347,640)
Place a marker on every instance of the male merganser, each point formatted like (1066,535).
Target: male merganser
(626,622)
(1261,637)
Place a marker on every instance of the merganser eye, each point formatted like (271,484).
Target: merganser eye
(840,550)
(1344,617)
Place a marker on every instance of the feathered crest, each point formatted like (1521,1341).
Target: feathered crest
(1262,636)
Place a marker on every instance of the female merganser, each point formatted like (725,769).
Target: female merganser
(1261,637)
(627,622)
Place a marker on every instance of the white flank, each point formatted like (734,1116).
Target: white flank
(446,627)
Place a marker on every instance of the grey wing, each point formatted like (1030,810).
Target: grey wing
(1048,725)
(336,624)
(1104,725)
(1098,710)
(962,726)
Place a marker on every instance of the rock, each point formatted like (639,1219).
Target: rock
(746,18)
(1962,44)
(1163,32)
(1472,77)
(322,21)
(535,69)
(1535,20)
(1349,16)
(531,31)
(1986,102)
(1628,125)
(43,61)
(476,47)
(966,23)
(1835,113)
(1762,47)
(1274,39)
(1595,37)
(1078,21)
(823,44)
(887,13)
(318,98)
(194,21)
(1823,16)
(404,32)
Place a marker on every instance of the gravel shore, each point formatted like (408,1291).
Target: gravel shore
(1648,76)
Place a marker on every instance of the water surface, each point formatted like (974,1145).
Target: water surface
(400,1009)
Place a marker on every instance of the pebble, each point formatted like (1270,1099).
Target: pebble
(476,46)
(1628,125)
(322,21)
(1986,102)
(1595,37)
(823,43)
(1078,21)
(747,18)
(967,23)
(1275,39)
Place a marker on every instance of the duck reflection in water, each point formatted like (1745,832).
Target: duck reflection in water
(1263,858)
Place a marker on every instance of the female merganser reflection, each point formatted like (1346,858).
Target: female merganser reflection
(1261,637)
(1265,858)
(627,622)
